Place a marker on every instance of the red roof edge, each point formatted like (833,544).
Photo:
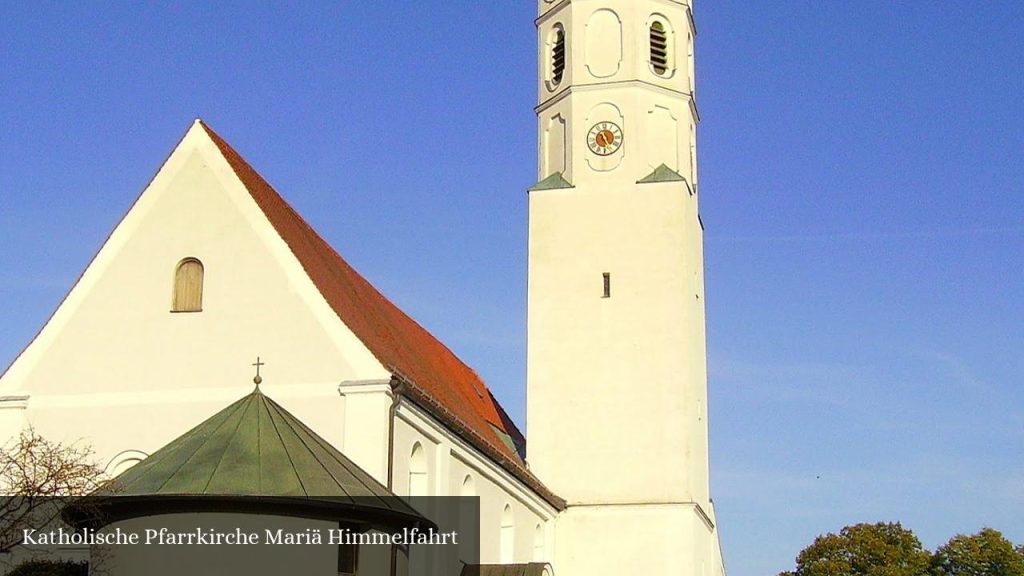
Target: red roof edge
(443,384)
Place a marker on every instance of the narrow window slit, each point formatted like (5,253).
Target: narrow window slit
(607,285)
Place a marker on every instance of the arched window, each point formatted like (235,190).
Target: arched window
(188,286)
(508,535)
(468,486)
(417,471)
(538,543)
(123,461)
(659,48)
(557,55)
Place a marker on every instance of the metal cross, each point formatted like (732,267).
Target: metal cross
(258,379)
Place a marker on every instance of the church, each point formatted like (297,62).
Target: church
(613,478)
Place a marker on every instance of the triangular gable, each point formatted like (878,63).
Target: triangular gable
(661,174)
(198,156)
(554,182)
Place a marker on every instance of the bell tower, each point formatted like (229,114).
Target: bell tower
(616,367)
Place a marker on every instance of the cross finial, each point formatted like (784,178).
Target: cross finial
(258,379)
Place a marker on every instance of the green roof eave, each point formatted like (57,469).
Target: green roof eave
(553,182)
(254,455)
(253,447)
(662,174)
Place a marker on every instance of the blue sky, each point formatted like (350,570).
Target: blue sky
(861,190)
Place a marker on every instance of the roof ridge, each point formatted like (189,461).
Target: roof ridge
(284,446)
(284,415)
(331,451)
(393,337)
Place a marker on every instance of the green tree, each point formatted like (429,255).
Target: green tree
(882,549)
(986,553)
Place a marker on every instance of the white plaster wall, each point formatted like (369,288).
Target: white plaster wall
(623,377)
(450,461)
(116,368)
(364,422)
(647,142)
(644,539)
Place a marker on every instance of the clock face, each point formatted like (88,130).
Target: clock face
(604,138)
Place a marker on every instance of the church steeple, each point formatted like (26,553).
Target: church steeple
(616,368)
(624,64)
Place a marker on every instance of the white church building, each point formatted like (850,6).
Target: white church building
(614,477)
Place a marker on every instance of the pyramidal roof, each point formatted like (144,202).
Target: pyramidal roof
(252,455)
(254,447)
(433,375)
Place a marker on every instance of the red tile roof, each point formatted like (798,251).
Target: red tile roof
(442,383)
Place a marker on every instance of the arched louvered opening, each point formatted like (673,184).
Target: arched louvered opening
(418,471)
(558,56)
(508,535)
(188,286)
(659,48)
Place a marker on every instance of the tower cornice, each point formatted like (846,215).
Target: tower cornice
(569,91)
(557,6)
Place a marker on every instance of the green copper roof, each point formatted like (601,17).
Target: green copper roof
(662,174)
(553,182)
(253,447)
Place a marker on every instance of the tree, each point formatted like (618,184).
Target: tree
(50,568)
(986,553)
(34,472)
(882,549)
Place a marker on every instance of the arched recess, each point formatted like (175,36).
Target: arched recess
(188,286)
(508,535)
(418,481)
(468,486)
(603,47)
(607,112)
(538,543)
(123,461)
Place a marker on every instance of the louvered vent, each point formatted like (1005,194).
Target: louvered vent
(659,49)
(558,57)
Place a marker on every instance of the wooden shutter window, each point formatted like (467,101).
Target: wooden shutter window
(558,57)
(659,48)
(188,286)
